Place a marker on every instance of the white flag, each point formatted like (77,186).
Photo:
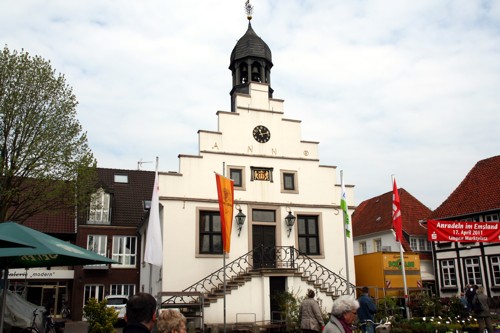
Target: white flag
(154,249)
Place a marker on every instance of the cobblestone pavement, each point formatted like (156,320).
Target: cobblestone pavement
(80,327)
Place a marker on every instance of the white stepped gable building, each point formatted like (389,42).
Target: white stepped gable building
(276,172)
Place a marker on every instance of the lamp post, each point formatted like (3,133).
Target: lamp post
(240,219)
(289,220)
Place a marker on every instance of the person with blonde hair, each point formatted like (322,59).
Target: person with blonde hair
(171,321)
(344,312)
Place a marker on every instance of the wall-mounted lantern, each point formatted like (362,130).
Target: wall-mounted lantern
(289,221)
(239,219)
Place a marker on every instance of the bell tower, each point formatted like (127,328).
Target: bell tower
(251,61)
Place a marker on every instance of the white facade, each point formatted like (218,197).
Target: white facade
(191,191)
(370,242)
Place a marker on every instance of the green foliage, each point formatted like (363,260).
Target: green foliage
(45,161)
(101,318)
(289,306)
(388,307)
(422,304)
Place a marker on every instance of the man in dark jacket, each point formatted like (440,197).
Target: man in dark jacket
(366,311)
(482,310)
(141,314)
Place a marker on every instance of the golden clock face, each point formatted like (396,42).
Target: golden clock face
(261,134)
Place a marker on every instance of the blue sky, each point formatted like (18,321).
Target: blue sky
(409,88)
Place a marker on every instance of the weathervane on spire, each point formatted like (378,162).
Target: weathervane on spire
(248,9)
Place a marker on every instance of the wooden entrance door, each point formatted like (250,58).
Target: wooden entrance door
(264,242)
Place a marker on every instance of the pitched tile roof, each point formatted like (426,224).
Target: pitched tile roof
(61,221)
(478,192)
(127,198)
(375,214)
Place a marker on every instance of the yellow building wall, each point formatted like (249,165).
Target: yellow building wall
(379,269)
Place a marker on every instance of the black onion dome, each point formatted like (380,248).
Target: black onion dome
(251,45)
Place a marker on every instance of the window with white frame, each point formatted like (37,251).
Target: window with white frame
(99,208)
(420,244)
(449,273)
(377,245)
(93,291)
(122,289)
(473,271)
(495,268)
(491,218)
(124,251)
(97,244)
(362,247)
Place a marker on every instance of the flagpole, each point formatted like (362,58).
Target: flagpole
(224,259)
(403,268)
(150,264)
(345,233)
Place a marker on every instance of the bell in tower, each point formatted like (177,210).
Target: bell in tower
(251,61)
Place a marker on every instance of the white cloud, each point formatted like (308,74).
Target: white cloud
(387,87)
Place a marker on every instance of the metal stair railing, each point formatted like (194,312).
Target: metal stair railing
(260,258)
(322,276)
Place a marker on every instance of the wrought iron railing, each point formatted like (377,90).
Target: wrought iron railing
(263,257)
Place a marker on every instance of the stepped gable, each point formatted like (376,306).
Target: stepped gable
(478,192)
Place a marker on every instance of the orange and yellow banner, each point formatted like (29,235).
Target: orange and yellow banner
(225,192)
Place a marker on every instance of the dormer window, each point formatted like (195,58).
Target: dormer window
(121,179)
(99,208)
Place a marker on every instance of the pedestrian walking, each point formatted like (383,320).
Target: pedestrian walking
(366,311)
(311,318)
(482,310)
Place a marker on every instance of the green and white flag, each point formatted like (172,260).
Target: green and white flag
(343,205)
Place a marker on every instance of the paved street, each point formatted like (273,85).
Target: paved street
(80,327)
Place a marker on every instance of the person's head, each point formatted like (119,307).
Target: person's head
(310,293)
(364,290)
(345,307)
(171,321)
(141,308)
(480,290)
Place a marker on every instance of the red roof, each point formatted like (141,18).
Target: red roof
(478,192)
(375,214)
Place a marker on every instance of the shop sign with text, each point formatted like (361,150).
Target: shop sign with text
(460,231)
(43,274)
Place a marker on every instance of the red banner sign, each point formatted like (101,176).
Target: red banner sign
(458,231)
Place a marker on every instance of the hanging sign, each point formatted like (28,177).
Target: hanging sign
(459,231)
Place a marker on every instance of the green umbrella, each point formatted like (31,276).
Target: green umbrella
(5,241)
(39,250)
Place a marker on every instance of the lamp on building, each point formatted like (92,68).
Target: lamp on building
(289,220)
(240,219)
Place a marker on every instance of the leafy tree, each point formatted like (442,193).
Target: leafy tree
(45,160)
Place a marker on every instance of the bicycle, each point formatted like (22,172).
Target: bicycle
(65,311)
(384,326)
(49,325)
